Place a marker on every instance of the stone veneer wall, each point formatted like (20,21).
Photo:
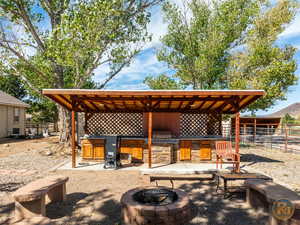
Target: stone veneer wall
(166,153)
(161,153)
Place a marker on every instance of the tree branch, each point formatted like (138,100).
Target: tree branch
(113,74)
(24,60)
(18,43)
(29,25)
(26,81)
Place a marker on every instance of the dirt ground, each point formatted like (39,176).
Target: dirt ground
(283,167)
(93,196)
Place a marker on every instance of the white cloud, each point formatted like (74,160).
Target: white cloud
(157,28)
(292,29)
(143,65)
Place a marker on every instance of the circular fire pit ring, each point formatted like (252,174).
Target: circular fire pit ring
(155,205)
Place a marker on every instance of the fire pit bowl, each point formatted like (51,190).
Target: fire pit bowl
(155,205)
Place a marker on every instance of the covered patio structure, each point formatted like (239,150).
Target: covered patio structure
(186,115)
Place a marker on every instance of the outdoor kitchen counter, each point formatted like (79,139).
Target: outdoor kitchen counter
(164,140)
(122,137)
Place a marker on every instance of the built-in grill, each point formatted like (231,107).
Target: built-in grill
(112,155)
(163,137)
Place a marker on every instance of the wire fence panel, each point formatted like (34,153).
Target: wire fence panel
(286,139)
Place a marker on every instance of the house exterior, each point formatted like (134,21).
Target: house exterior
(12,115)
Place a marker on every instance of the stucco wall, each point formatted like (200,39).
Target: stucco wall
(7,121)
(3,121)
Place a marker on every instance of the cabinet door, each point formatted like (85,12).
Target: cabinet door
(185,150)
(205,150)
(98,151)
(137,154)
(125,150)
(205,153)
(87,151)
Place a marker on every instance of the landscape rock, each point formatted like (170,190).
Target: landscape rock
(48,153)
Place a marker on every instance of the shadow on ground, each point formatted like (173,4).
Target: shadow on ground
(86,208)
(209,208)
(10,187)
(257,158)
(6,210)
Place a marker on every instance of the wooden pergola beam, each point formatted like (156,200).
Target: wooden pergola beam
(155,101)
(124,105)
(154,110)
(194,98)
(200,106)
(94,105)
(65,99)
(188,105)
(209,107)
(218,109)
(237,140)
(73,143)
(155,104)
(180,104)
(150,139)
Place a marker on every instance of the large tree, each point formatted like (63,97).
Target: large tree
(230,44)
(60,43)
(263,64)
(162,82)
(13,85)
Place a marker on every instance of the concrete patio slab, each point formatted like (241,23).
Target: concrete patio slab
(176,168)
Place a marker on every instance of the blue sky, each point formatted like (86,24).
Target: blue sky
(146,62)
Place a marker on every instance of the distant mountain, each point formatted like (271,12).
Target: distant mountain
(293,110)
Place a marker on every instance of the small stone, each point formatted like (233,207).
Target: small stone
(48,153)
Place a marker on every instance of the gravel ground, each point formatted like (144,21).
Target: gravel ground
(17,169)
(283,167)
(93,196)
(22,161)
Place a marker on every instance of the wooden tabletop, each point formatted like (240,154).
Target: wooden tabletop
(242,176)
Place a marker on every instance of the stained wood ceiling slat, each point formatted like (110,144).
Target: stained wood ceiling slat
(164,101)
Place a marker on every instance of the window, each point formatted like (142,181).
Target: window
(16,114)
(16,130)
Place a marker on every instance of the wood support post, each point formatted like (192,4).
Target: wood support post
(73,143)
(150,139)
(254,131)
(237,140)
(286,139)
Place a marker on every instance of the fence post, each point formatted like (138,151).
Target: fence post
(286,139)
(271,138)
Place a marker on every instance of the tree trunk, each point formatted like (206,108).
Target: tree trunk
(64,125)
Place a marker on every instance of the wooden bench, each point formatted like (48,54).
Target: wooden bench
(262,194)
(37,220)
(30,199)
(191,177)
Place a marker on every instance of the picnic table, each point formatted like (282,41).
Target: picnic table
(236,176)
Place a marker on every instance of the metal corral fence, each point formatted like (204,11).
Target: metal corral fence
(39,129)
(285,138)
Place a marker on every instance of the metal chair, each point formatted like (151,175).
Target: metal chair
(224,151)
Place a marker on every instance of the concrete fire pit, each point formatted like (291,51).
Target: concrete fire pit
(155,205)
